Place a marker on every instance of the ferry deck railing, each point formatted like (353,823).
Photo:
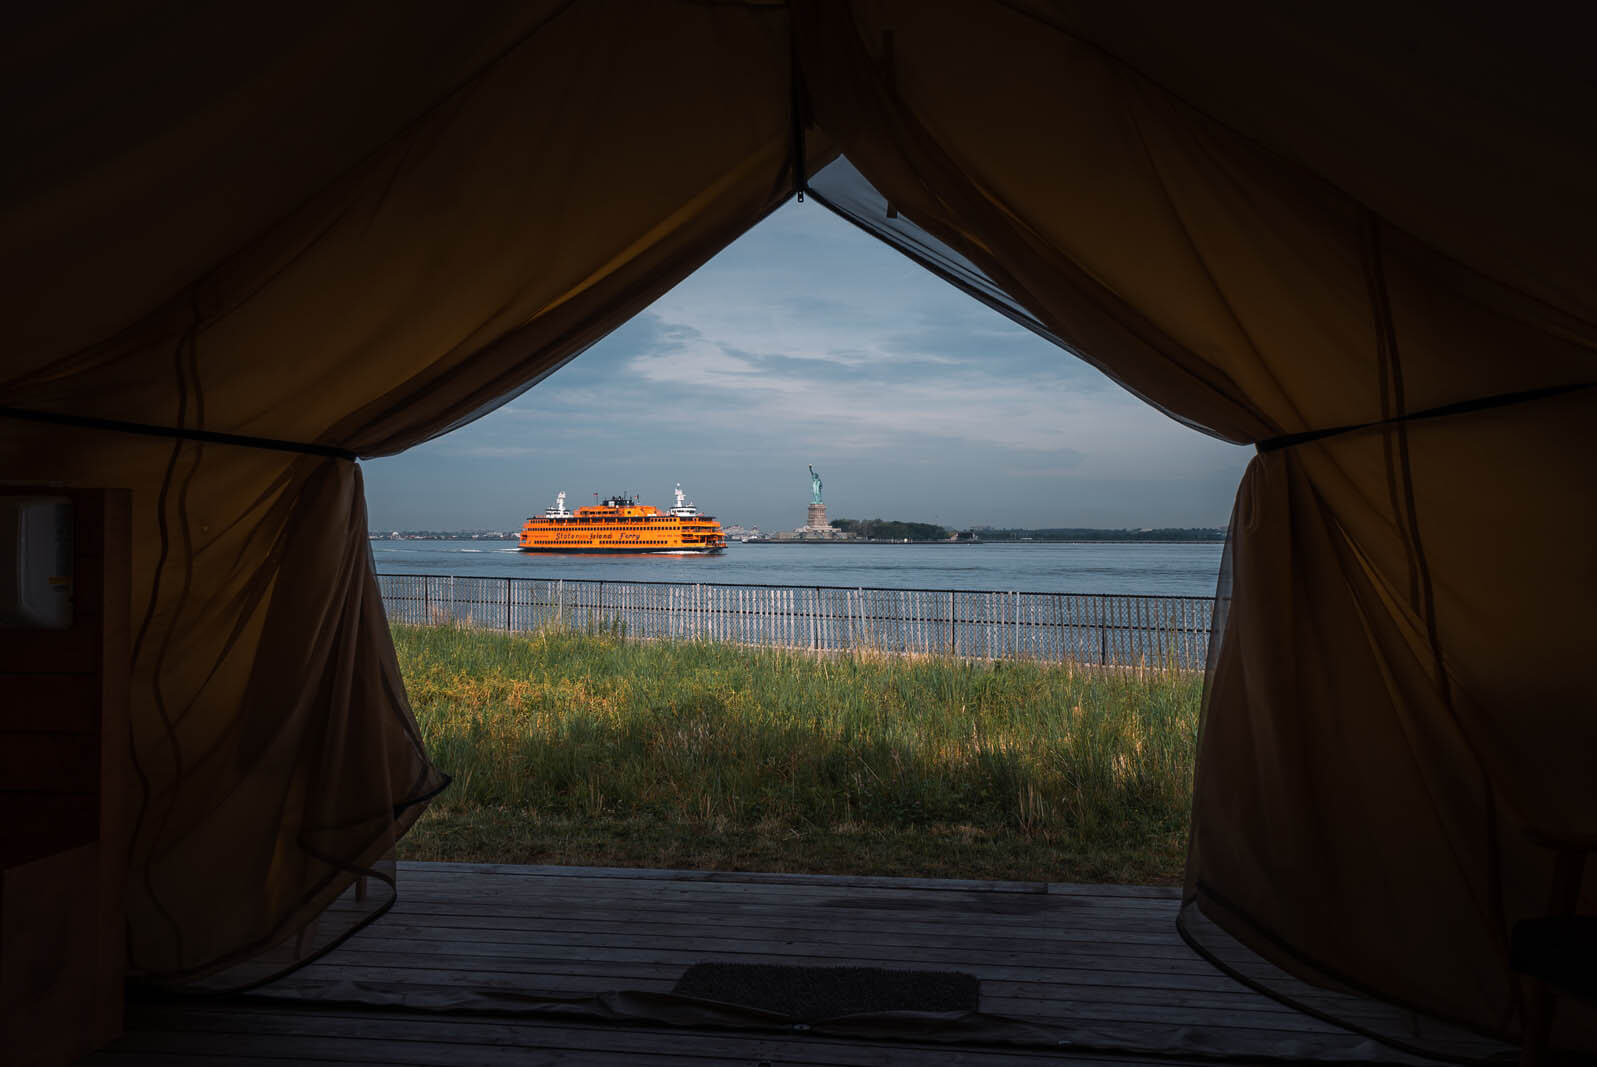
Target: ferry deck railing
(1113,630)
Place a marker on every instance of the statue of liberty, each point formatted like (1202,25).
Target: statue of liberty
(815,486)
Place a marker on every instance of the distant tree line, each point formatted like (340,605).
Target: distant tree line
(1074,533)
(891,530)
(896,530)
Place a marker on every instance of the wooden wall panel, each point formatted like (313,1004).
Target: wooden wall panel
(63,746)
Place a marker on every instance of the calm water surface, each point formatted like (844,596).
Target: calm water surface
(1160,570)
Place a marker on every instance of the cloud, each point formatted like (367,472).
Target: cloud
(865,397)
(490,451)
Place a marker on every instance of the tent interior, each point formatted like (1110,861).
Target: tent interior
(246,247)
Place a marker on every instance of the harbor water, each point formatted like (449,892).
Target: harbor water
(1141,568)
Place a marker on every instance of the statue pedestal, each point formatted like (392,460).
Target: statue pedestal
(817,516)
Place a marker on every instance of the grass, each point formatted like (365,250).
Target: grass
(590,749)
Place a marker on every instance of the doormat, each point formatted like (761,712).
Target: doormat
(811,993)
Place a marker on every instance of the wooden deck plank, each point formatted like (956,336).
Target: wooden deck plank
(791,946)
(385,1036)
(1083,953)
(875,913)
(618,971)
(1086,948)
(784,943)
(579,977)
(566,977)
(1105,1011)
(119,1056)
(849,881)
(450,917)
(1030,1000)
(511,888)
(713,882)
(945,908)
(507,973)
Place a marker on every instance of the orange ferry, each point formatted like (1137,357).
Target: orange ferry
(621,525)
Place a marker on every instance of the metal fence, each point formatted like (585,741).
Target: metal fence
(1088,628)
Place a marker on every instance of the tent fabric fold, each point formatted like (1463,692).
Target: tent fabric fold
(1396,736)
(364,226)
(562,177)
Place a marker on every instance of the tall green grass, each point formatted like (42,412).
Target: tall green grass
(667,745)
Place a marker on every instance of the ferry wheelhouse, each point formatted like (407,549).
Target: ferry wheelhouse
(622,526)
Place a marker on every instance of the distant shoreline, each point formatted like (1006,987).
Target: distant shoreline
(861,541)
(990,544)
(495,535)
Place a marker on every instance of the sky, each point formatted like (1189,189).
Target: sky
(808,342)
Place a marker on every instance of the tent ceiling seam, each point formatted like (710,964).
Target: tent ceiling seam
(215,437)
(797,113)
(1461,407)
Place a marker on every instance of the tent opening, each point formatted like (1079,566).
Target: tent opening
(803,346)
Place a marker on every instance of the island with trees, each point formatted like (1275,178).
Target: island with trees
(900,531)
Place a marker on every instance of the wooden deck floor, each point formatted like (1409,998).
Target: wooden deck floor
(1097,971)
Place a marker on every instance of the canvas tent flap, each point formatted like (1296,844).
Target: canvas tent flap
(1396,732)
(419,255)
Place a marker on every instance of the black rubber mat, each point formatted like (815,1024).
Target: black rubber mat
(810,993)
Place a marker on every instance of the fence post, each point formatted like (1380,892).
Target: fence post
(426,601)
(952,631)
(815,622)
(507,605)
(1103,629)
